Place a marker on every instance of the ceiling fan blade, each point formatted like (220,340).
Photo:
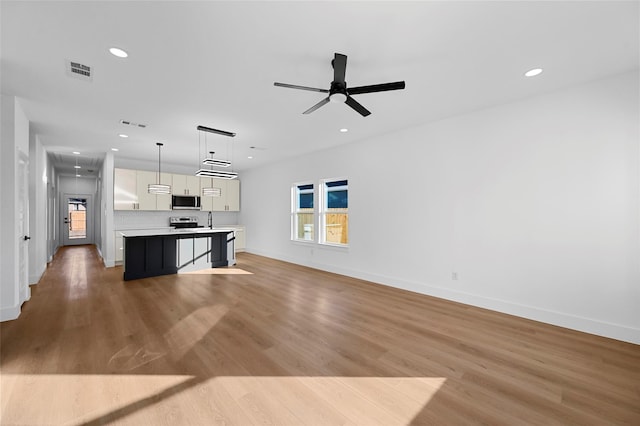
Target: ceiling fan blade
(355,105)
(376,88)
(339,67)
(293,86)
(316,106)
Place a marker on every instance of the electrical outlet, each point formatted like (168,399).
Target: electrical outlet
(454,276)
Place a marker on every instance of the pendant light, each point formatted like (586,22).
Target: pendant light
(159,188)
(210,161)
(217,174)
(209,191)
(220,174)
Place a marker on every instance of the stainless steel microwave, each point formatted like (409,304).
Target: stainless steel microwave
(185,202)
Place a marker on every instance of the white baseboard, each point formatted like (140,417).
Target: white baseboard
(9,313)
(35,278)
(108,263)
(586,325)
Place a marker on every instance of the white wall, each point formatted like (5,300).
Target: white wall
(39,171)
(107,241)
(52,210)
(14,143)
(152,164)
(535,206)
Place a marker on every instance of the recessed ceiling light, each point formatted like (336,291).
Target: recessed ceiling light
(344,130)
(533,72)
(122,135)
(250,157)
(77,175)
(76,152)
(115,149)
(118,52)
(76,167)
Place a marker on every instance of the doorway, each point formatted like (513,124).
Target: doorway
(77,219)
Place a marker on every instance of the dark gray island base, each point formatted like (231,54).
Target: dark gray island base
(151,253)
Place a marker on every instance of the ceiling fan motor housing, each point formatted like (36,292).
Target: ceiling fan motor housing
(338,92)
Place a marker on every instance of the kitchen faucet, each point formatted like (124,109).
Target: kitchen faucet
(210,220)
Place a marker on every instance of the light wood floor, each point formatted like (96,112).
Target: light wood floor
(269,342)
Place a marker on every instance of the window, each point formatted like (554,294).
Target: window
(302,214)
(334,213)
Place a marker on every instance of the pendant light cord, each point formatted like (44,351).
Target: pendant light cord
(159,145)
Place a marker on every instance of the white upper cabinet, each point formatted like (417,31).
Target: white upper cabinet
(228,199)
(163,201)
(125,192)
(146,201)
(185,185)
(233,195)
(131,191)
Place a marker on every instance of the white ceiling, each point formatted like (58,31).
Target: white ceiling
(214,64)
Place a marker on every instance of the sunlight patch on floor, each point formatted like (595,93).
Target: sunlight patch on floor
(158,399)
(219,271)
(71,399)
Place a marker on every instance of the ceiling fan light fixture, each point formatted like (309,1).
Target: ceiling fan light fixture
(338,98)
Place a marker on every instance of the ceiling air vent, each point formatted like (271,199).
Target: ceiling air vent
(78,70)
(131,123)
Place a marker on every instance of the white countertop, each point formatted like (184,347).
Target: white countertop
(172,231)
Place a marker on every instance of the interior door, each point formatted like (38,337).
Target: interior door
(77,219)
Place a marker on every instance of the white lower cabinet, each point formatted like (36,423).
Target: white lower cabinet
(119,247)
(240,242)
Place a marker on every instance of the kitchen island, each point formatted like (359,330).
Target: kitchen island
(153,252)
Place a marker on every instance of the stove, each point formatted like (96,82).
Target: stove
(184,222)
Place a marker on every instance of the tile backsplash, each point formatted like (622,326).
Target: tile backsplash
(123,219)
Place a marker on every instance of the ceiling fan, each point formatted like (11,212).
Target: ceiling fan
(339,92)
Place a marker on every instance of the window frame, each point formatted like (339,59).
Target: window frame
(323,211)
(295,210)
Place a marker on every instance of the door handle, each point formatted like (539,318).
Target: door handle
(26,237)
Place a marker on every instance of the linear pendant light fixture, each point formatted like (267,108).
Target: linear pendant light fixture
(203,172)
(216,174)
(216,131)
(220,174)
(159,188)
(216,162)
